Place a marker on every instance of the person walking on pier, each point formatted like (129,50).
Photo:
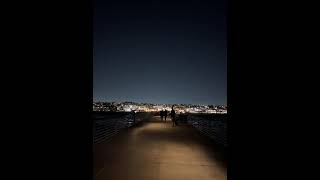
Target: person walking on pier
(133,116)
(173,117)
(165,115)
(161,115)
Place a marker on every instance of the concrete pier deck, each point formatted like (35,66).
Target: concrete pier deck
(155,150)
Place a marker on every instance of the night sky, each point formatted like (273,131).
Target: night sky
(160,51)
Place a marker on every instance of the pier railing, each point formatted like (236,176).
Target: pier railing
(108,124)
(213,126)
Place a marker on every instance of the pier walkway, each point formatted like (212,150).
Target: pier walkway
(154,150)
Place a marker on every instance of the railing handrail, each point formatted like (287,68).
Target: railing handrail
(108,124)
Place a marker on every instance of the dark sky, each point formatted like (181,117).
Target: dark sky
(160,51)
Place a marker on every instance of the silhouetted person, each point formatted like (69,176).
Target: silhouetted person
(161,115)
(165,115)
(133,116)
(173,117)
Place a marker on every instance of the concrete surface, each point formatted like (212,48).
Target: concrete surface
(157,151)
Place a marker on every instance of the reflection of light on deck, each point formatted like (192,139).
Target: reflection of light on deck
(173,145)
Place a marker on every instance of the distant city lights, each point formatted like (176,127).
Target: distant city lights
(149,107)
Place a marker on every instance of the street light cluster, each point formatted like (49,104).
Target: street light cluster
(149,107)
